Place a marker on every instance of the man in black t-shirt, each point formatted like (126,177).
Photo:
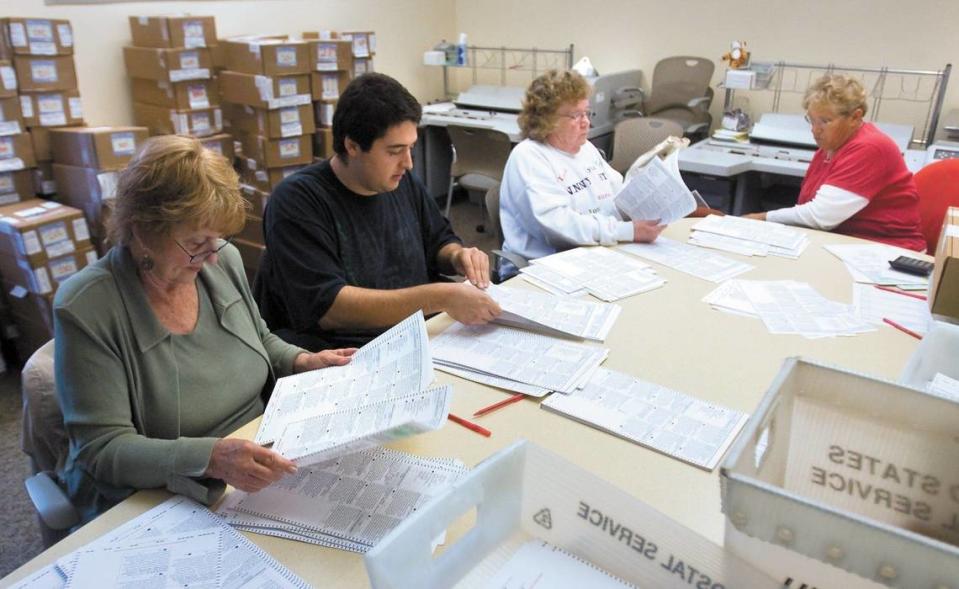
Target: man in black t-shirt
(354,243)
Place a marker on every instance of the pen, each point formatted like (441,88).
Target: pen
(903,293)
(497,405)
(902,328)
(470,425)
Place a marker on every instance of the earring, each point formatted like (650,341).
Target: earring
(146,262)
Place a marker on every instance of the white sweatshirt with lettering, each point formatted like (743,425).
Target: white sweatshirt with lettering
(552,201)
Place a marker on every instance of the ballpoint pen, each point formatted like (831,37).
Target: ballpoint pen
(901,292)
(901,328)
(498,404)
(470,425)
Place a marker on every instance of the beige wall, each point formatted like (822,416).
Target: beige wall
(404,28)
(624,34)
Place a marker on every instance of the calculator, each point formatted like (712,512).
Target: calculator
(911,266)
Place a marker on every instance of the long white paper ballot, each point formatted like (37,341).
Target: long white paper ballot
(655,193)
(394,364)
(558,315)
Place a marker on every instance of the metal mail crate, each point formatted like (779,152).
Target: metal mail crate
(850,471)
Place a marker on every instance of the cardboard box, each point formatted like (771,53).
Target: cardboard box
(323,143)
(40,137)
(327,86)
(8,79)
(257,199)
(362,66)
(16,152)
(52,109)
(100,148)
(16,186)
(269,92)
(86,189)
(219,54)
(277,153)
(39,36)
(944,283)
(267,56)
(36,230)
(252,232)
(41,74)
(272,124)
(221,143)
(45,278)
(364,42)
(331,55)
(165,121)
(43,182)
(169,65)
(323,111)
(11,122)
(29,306)
(176,95)
(173,31)
(263,179)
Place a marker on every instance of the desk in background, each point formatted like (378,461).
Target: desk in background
(668,336)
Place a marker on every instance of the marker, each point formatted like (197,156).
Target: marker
(903,293)
(470,425)
(497,405)
(902,328)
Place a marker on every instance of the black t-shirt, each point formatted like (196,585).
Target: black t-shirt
(321,236)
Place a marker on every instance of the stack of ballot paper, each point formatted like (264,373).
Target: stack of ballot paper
(347,503)
(654,416)
(788,307)
(514,359)
(553,314)
(869,263)
(379,396)
(601,272)
(178,543)
(687,259)
(874,306)
(749,237)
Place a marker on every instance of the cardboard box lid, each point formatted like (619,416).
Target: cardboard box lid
(102,148)
(32,213)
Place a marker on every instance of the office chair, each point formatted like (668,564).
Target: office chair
(680,92)
(479,156)
(634,137)
(938,185)
(44,440)
(492,212)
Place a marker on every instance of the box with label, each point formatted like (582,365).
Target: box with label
(15,186)
(166,121)
(331,55)
(364,42)
(277,153)
(8,79)
(256,197)
(45,278)
(289,121)
(265,179)
(219,55)
(221,143)
(40,74)
(39,36)
(27,305)
(86,189)
(16,152)
(328,86)
(839,470)
(176,95)
(173,31)
(362,66)
(36,230)
(40,136)
(266,56)
(267,92)
(323,143)
(52,109)
(43,182)
(944,282)
(323,111)
(100,148)
(252,232)
(169,65)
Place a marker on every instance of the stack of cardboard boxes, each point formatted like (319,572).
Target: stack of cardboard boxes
(332,62)
(43,95)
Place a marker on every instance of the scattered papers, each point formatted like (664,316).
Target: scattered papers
(873,305)
(556,315)
(750,234)
(687,259)
(654,416)
(944,387)
(654,192)
(604,273)
(348,503)
(869,263)
(540,564)
(523,356)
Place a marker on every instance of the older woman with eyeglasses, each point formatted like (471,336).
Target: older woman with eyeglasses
(857,183)
(160,348)
(557,191)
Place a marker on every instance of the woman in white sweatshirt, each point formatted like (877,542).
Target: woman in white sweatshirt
(557,191)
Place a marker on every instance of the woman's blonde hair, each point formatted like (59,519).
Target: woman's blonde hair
(544,97)
(843,93)
(174,181)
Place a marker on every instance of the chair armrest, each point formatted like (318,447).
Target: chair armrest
(515,259)
(51,503)
(697,128)
(700,103)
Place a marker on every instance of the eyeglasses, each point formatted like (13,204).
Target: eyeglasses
(202,256)
(821,122)
(579,115)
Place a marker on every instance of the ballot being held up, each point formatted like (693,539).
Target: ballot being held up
(654,188)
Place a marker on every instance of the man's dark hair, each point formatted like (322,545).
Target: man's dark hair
(370,105)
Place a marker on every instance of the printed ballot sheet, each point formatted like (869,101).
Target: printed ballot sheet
(394,364)
(349,502)
(787,239)
(687,259)
(654,416)
(869,263)
(524,356)
(540,565)
(790,307)
(602,272)
(873,305)
(944,387)
(325,435)
(495,381)
(653,192)
(553,314)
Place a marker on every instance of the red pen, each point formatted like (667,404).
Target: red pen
(902,328)
(497,405)
(902,292)
(470,425)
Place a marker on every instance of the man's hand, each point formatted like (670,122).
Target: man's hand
(646,231)
(757,216)
(246,465)
(470,305)
(473,264)
(306,361)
